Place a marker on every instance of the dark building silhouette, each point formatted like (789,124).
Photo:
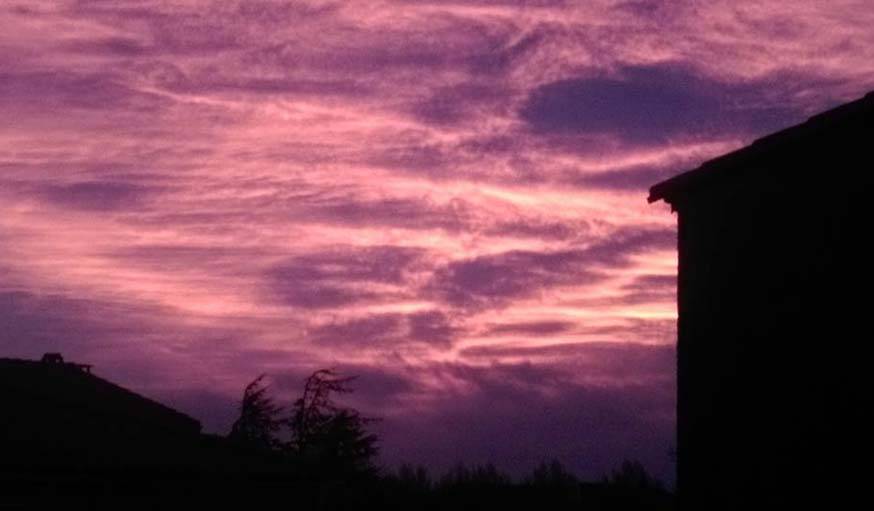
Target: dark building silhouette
(57,414)
(67,433)
(71,440)
(57,358)
(775,279)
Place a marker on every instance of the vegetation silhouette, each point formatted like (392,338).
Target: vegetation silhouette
(329,450)
(549,486)
(318,433)
(259,420)
(632,474)
(69,438)
(326,434)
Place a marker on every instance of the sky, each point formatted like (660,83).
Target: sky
(445,198)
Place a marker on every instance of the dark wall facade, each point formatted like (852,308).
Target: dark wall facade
(774,297)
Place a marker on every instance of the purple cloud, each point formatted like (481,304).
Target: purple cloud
(492,280)
(636,178)
(97,195)
(502,59)
(489,281)
(114,46)
(397,212)
(54,90)
(533,328)
(614,363)
(367,332)
(380,331)
(433,327)
(32,324)
(539,229)
(459,104)
(503,3)
(337,277)
(650,105)
(352,264)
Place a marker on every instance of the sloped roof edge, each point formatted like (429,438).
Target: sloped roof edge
(97,383)
(721,166)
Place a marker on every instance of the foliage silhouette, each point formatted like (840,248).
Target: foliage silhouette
(632,475)
(317,434)
(414,478)
(259,420)
(326,434)
(552,474)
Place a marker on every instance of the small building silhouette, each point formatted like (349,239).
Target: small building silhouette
(57,358)
(62,426)
(56,402)
(52,358)
(774,295)
(65,432)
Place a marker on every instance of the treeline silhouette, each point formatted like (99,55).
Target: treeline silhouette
(329,449)
(548,486)
(70,438)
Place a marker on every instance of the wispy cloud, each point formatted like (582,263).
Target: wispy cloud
(445,197)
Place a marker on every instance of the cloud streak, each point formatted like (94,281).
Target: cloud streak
(447,198)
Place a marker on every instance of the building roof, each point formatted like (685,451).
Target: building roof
(67,430)
(713,171)
(53,384)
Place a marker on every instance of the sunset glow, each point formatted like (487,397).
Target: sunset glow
(446,198)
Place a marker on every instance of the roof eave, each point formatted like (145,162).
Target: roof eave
(673,189)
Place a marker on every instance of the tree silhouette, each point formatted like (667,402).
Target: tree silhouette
(632,475)
(329,435)
(259,420)
(552,474)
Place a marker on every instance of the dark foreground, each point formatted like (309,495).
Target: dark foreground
(249,484)
(72,440)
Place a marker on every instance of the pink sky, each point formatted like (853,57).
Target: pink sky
(446,198)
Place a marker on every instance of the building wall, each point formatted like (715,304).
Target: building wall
(774,305)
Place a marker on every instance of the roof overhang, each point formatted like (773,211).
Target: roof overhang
(675,189)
